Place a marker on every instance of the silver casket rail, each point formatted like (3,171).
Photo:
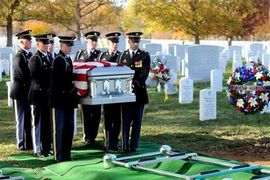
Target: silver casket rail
(109,85)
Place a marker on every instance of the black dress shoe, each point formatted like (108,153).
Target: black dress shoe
(133,150)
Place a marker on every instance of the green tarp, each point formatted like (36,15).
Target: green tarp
(88,164)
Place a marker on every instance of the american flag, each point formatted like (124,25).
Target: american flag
(80,71)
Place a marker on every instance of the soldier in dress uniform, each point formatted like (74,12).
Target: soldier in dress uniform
(132,113)
(40,66)
(63,100)
(19,91)
(91,114)
(112,112)
(51,53)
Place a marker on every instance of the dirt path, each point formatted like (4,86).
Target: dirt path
(262,158)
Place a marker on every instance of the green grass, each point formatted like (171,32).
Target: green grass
(170,123)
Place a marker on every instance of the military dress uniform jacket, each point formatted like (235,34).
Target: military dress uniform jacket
(39,66)
(140,62)
(106,56)
(63,93)
(21,73)
(83,56)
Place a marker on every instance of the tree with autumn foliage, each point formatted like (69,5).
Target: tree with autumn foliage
(77,15)
(190,16)
(10,13)
(198,18)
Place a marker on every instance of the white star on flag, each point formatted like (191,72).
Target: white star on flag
(252,102)
(240,103)
(264,96)
(258,75)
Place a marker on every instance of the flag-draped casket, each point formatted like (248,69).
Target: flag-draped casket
(103,82)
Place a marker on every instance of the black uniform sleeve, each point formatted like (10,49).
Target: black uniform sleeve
(35,70)
(20,68)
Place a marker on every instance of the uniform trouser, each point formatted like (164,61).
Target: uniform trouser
(112,124)
(63,127)
(91,119)
(23,124)
(41,128)
(132,118)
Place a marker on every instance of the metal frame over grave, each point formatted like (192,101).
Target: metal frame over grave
(138,162)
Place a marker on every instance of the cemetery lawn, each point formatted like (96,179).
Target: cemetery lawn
(232,135)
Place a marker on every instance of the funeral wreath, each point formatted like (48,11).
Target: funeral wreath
(248,88)
(159,71)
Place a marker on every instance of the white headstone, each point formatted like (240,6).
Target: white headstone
(208,104)
(150,82)
(200,60)
(172,63)
(222,64)
(170,87)
(266,60)
(253,51)
(177,50)
(183,67)
(235,48)
(237,62)
(11,67)
(216,80)
(185,91)
(10,101)
(153,48)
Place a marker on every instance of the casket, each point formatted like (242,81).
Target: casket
(106,85)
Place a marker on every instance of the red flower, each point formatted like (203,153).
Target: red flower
(238,108)
(258,92)
(264,78)
(255,70)
(248,108)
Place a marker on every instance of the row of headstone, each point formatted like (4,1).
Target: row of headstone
(208,99)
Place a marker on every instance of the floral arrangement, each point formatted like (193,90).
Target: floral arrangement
(248,88)
(159,71)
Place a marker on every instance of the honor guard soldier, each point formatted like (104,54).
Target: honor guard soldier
(132,113)
(112,112)
(40,67)
(19,91)
(91,114)
(63,100)
(51,53)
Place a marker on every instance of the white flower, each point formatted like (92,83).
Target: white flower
(258,75)
(240,103)
(252,102)
(266,83)
(268,74)
(229,80)
(237,76)
(229,94)
(264,96)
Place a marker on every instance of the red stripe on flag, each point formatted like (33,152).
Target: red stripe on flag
(105,63)
(81,77)
(82,92)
